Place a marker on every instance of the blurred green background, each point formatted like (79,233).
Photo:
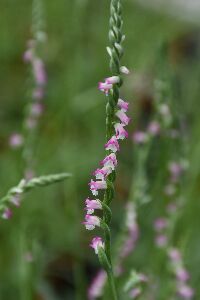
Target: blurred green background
(72,133)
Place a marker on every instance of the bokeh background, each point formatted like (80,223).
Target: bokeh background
(44,251)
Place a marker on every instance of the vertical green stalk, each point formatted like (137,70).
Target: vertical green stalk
(115,51)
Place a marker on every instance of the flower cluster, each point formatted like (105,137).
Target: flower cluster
(182,276)
(109,163)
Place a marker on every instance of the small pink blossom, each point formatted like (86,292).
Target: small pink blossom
(161,240)
(121,133)
(160,224)
(91,222)
(36,109)
(97,185)
(123,105)
(16,140)
(176,170)
(123,117)
(102,173)
(7,214)
(124,70)
(91,205)
(174,255)
(140,137)
(104,87)
(112,144)
(186,292)
(39,71)
(182,274)
(154,128)
(171,207)
(112,80)
(110,161)
(28,55)
(134,293)
(96,243)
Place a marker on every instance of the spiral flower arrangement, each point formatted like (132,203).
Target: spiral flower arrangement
(116,120)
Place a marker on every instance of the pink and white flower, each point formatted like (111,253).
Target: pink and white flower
(123,117)
(97,243)
(16,140)
(112,144)
(97,185)
(39,71)
(96,288)
(140,137)
(91,205)
(186,292)
(91,222)
(110,161)
(102,173)
(121,133)
(7,214)
(123,105)
(105,87)
(112,80)
(160,224)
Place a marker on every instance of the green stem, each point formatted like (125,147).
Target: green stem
(112,285)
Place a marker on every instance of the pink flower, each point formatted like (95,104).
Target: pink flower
(182,274)
(121,133)
(124,70)
(123,117)
(96,288)
(110,161)
(160,224)
(28,55)
(174,255)
(154,128)
(123,105)
(175,170)
(134,293)
(91,222)
(101,174)
(97,185)
(104,87)
(39,71)
(7,214)
(185,291)
(161,240)
(36,109)
(140,137)
(91,205)
(112,80)
(112,144)
(16,140)
(96,243)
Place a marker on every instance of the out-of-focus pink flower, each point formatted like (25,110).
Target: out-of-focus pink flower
(161,240)
(174,255)
(16,140)
(37,109)
(140,137)
(96,288)
(134,293)
(39,71)
(38,93)
(154,128)
(16,200)
(160,224)
(7,214)
(182,274)
(185,291)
